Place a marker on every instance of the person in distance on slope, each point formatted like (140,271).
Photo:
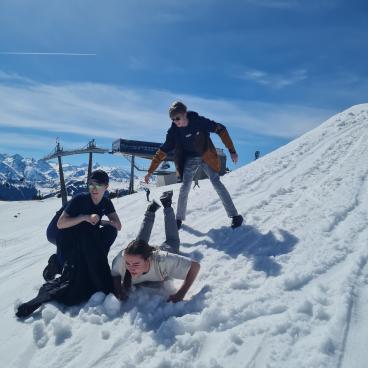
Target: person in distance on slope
(189,136)
(142,263)
(84,246)
(85,207)
(147,193)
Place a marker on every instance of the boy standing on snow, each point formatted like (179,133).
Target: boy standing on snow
(189,136)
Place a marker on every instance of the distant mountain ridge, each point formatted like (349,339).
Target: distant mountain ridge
(24,178)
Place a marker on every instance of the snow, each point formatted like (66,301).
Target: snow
(287,289)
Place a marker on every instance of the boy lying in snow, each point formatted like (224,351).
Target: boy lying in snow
(140,262)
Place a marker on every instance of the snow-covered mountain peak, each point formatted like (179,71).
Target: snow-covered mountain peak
(17,172)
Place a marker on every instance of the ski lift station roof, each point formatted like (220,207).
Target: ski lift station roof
(140,149)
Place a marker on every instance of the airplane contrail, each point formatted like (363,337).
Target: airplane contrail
(45,53)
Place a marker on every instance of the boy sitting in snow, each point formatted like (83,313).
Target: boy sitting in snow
(87,207)
(84,246)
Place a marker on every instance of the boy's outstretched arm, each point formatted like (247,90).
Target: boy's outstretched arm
(191,276)
(119,291)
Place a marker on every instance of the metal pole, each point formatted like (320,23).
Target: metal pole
(63,193)
(131,183)
(89,166)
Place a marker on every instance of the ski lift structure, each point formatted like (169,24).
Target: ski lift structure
(130,149)
(59,152)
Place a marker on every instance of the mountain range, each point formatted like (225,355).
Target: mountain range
(26,178)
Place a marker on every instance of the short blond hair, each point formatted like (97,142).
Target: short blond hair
(177,107)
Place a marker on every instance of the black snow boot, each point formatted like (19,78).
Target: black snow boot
(153,207)
(51,290)
(236,221)
(26,309)
(166,198)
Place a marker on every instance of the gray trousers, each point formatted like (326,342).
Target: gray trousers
(190,168)
(172,241)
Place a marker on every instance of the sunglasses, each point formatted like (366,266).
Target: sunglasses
(177,118)
(96,186)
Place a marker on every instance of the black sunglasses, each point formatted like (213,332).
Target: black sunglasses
(177,118)
(91,186)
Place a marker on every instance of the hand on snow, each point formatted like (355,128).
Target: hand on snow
(121,294)
(178,297)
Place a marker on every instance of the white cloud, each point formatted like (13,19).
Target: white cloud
(108,112)
(267,119)
(274,80)
(84,109)
(26,53)
(32,141)
(6,77)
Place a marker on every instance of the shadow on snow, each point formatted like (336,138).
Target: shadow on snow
(249,242)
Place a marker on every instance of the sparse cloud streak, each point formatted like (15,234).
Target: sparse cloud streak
(45,53)
(273,80)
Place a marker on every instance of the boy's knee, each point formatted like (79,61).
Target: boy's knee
(185,187)
(110,231)
(114,232)
(186,183)
(215,179)
(52,233)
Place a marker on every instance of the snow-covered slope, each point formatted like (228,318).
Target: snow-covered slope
(287,289)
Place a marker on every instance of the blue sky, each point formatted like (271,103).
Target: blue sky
(268,70)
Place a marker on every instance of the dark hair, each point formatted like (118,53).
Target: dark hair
(177,107)
(136,248)
(100,176)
